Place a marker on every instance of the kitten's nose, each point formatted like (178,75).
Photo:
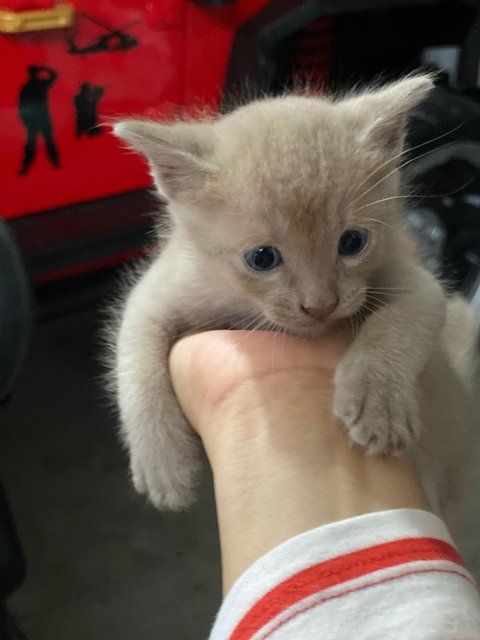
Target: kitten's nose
(321,313)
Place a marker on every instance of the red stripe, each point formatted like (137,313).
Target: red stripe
(363,587)
(337,570)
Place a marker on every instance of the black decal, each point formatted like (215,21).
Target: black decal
(86,109)
(116,39)
(35,115)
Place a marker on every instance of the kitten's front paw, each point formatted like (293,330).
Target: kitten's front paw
(169,483)
(380,412)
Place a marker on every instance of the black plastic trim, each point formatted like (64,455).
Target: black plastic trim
(75,236)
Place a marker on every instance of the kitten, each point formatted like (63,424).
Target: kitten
(288,211)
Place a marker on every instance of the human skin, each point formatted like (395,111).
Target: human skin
(282,464)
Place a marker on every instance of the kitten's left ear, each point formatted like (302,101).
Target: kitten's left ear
(384,112)
(177,154)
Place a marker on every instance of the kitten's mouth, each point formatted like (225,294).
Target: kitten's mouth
(317,327)
(308,325)
(305,326)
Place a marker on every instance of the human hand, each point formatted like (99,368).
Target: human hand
(282,464)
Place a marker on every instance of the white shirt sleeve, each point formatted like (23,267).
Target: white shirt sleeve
(391,575)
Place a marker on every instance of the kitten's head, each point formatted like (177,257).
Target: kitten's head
(292,200)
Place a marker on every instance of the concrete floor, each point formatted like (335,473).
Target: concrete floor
(102,564)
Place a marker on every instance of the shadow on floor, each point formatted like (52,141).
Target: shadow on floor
(102,564)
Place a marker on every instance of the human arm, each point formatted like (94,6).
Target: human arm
(282,464)
(293,494)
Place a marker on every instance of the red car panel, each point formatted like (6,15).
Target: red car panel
(121,58)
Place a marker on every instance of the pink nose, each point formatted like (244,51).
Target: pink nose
(321,313)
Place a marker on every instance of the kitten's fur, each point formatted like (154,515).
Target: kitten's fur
(293,172)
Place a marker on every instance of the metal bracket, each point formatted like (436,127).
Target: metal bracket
(60,16)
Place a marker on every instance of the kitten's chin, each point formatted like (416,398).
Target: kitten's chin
(318,329)
(308,331)
(315,327)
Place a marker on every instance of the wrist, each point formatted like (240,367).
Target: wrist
(282,464)
(274,481)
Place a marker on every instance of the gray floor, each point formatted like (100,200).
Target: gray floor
(102,564)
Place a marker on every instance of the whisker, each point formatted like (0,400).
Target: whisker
(381,303)
(387,293)
(226,320)
(204,326)
(385,224)
(400,167)
(273,327)
(265,326)
(359,321)
(394,289)
(241,322)
(350,322)
(371,204)
(387,288)
(418,196)
(394,292)
(253,322)
(405,151)
(371,308)
(354,323)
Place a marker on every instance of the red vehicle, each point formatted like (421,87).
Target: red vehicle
(73,67)
(75,200)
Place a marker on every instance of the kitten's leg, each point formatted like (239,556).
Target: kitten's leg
(164,453)
(376,383)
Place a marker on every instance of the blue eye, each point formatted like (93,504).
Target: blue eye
(263,258)
(352,242)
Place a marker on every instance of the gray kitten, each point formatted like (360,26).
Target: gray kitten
(287,214)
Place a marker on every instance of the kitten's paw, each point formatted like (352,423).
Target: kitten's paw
(170,484)
(380,413)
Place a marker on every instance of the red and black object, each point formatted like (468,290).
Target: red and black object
(73,197)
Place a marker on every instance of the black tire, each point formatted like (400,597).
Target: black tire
(15,312)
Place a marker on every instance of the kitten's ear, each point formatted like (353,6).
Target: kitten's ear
(177,153)
(384,112)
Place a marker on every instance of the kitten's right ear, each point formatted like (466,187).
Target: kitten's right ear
(177,154)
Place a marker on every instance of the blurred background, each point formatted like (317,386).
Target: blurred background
(82,557)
